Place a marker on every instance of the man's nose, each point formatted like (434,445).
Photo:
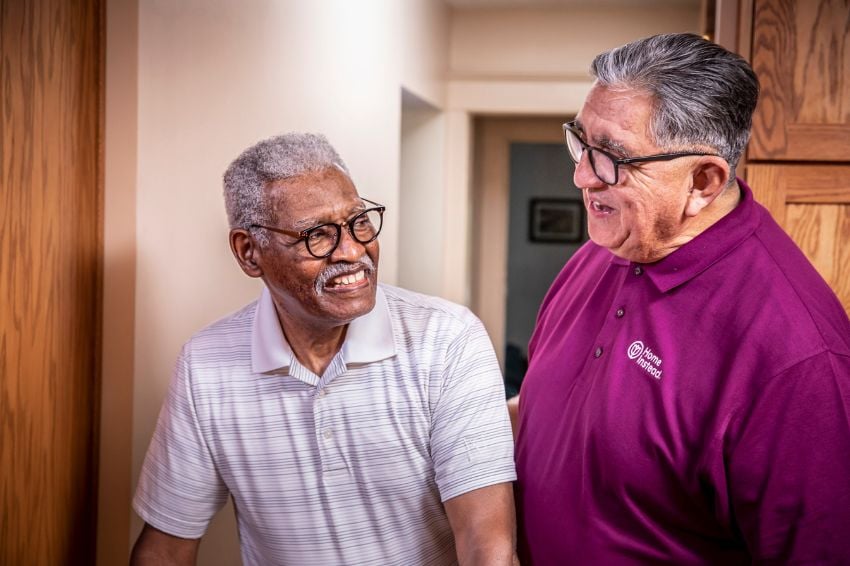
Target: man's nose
(584,177)
(348,249)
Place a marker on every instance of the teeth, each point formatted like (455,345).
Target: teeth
(349,279)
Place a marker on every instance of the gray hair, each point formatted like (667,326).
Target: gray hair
(703,95)
(271,160)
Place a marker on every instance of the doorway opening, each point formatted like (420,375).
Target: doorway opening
(528,221)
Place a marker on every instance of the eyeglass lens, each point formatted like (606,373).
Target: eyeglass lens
(365,227)
(602,164)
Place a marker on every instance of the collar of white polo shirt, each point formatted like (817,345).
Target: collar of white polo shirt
(369,337)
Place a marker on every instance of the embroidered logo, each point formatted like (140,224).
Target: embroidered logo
(635,349)
(645,358)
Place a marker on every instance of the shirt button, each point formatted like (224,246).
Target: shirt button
(598,352)
(328,434)
(620,312)
(322,392)
(638,270)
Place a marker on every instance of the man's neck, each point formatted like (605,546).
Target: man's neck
(720,207)
(314,346)
(316,350)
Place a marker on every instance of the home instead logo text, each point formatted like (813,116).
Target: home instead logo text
(645,358)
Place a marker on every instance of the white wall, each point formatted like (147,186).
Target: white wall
(420,211)
(215,76)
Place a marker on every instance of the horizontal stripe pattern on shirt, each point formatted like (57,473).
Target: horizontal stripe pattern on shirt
(351,468)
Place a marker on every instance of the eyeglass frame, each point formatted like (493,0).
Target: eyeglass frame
(304,234)
(571,128)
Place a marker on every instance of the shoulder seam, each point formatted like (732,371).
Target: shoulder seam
(800,300)
(460,313)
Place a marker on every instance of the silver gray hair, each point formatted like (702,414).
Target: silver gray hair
(703,95)
(269,161)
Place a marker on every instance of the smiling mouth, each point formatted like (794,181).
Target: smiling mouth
(601,208)
(347,280)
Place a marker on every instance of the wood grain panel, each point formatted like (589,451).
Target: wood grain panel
(801,53)
(841,269)
(811,203)
(822,232)
(777,184)
(50,260)
(768,185)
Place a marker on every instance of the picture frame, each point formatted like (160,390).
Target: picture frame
(556,220)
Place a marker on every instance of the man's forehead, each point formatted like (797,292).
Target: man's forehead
(310,177)
(331,184)
(614,117)
(315,197)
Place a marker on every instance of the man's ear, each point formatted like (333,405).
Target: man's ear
(246,251)
(708,177)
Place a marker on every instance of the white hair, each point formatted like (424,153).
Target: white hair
(269,161)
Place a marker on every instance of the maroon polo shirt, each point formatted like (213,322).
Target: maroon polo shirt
(693,410)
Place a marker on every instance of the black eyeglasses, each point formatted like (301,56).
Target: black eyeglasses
(606,166)
(322,240)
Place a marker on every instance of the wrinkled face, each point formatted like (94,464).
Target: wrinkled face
(318,293)
(642,216)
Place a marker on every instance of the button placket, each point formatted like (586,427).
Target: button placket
(612,329)
(329,437)
(329,448)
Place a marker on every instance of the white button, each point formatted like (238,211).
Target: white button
(328,434)
(323,392)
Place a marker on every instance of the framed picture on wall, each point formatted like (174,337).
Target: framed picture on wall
(556,220)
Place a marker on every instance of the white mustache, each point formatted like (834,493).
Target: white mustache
(337,269)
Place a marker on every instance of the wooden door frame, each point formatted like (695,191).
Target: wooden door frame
(491,194)
(119,135)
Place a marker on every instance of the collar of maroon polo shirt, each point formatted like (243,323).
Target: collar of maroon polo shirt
(720,239)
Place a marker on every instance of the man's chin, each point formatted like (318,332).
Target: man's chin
(619,247)
(346,309)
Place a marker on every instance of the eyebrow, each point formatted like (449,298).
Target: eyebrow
(307,223)
(605,142)
(304,224)
(613,146)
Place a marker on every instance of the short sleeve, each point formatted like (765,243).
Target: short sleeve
(790,469)
(179,489)
(471,439)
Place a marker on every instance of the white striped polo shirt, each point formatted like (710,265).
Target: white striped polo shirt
(349,468)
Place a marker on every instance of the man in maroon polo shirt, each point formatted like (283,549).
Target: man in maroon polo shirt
(687,399)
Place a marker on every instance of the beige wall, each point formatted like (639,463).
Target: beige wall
(119,282)
(553,42)
(209,77)
(420,211)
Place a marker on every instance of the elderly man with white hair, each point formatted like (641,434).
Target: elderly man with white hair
(351,422)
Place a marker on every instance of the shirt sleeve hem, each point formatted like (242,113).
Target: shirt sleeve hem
(169,525)
(459,487)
